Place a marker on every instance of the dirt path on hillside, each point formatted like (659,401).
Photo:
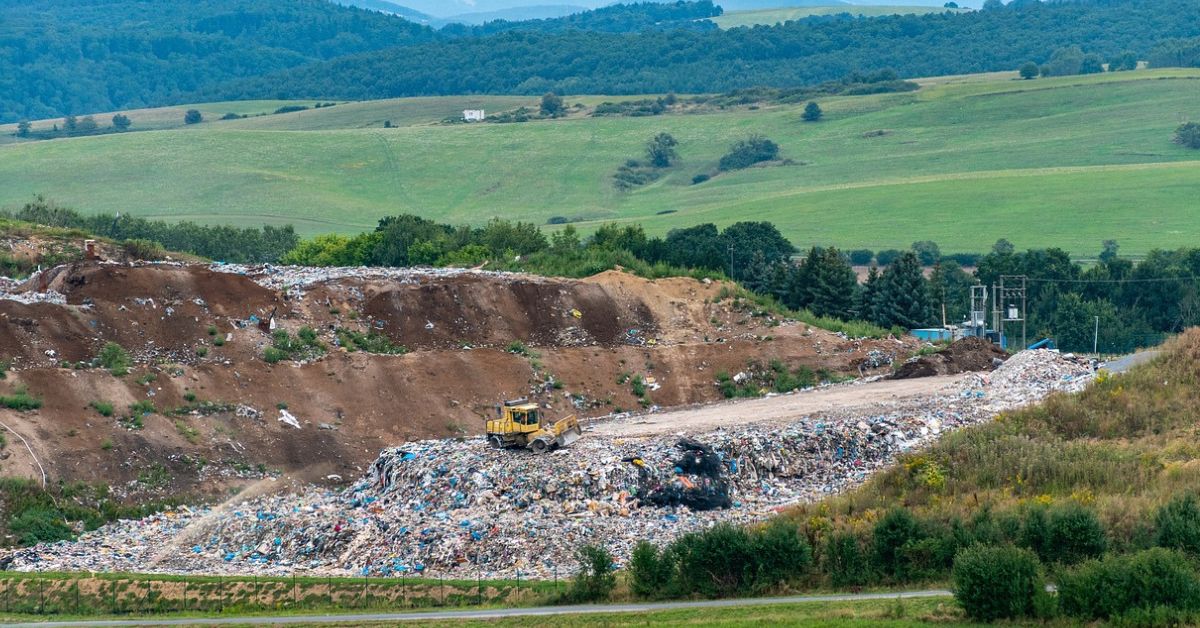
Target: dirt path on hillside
(780,409)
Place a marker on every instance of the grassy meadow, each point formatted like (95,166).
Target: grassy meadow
(1063,162)
(733,19)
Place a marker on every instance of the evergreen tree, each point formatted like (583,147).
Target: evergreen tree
(904,295)
(23,128)
(755,274)
(193,116)
(121,122)
(831,283)
(812,112)
(866,299)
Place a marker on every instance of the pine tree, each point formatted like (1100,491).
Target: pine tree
(904,296)
(832,283)
(866,299)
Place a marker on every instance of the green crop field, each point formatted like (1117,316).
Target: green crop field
(1061,162)
(734,19)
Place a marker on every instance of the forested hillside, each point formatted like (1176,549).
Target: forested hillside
(82,56)
(796,53)
(60,57)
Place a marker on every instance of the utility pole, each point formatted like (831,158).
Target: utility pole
(731,277)
(1096,337)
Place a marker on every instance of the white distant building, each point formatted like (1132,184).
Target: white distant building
(474,115)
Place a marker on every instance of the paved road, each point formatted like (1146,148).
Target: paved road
(537,611)
(1126,362)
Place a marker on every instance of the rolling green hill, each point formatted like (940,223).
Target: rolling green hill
(733,19)
(1054,162)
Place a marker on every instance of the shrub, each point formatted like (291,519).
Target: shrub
(39,525)
(997,582)
(1188,134)
(142,408)
(715,562)
(115,358)
(272,355)
(1178,524)
(861,257)
(781,555)
(1035,532)
(745,153)
(1153,578)
(103,407)
(596,578)
(20,400)
(201,351)
(143,249)
(845,561)
(1075,534)
(700,178)
(650,571)
(193,116)
(896,529)
(886,257)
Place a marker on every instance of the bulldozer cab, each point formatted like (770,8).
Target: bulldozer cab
(519,424)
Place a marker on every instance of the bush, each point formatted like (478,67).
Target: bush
(886,257)
(143,249)
(103,407)
(895,530)
(1150,579)
(193,116)
(39,525)
(274,355)
(745,153)
(861,257)
(596,578)
(650,571)
(115,358)
(781,555)
(700,178)
(1035,532)
(1075,534)
(1188,134)
(846,561)
(718,562)
(1178,525)
(20,400)
(997,582)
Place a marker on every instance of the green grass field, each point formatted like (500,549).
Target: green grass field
(733,19)
(1061,162)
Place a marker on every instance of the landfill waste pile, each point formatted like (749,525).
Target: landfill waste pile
(461,509)
(962,356)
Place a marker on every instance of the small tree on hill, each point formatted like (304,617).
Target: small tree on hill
(193,117)
(812,112)
(745,153)
(1029,70)
(88,125)
(23,128)
(1188,134)
(70,125)
(661,150)
(121,122)
(552,105)
(1123,62)
(1091,64)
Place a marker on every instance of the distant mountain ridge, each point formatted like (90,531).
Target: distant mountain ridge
(384,6)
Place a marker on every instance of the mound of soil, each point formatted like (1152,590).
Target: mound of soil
(963,356)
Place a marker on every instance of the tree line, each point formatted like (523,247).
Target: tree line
(220,242)
(1130,304)
(796,53)
(96,55)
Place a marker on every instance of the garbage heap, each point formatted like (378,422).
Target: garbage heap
(462,509)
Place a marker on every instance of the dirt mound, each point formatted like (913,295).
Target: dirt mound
(962,356)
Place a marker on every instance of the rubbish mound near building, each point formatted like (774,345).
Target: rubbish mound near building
(457,507)
(965,355)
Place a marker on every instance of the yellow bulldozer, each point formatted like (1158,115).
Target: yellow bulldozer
(518,423)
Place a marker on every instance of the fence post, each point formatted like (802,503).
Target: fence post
(256,591)
(41,597)
(114,596)
(76,596)
(518,585)
(442,587)
(478,587)
(148,607)
(329,589)
(295,592)
(366,594)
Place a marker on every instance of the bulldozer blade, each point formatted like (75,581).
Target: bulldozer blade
(567,437)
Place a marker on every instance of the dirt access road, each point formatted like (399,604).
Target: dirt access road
(779,409)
